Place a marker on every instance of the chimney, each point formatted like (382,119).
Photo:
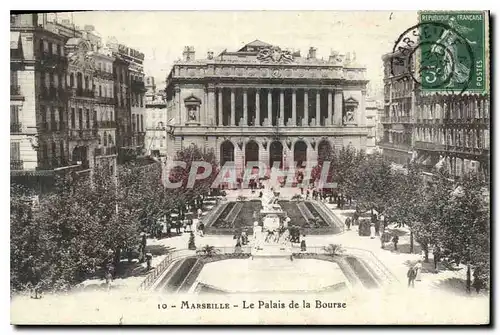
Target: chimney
(210,55)
(188,54)
(312,52)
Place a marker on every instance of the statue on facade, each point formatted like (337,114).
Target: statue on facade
(192,115)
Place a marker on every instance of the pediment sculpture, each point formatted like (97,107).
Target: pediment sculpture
(275,54)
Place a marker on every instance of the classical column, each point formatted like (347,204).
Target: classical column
(337,108)
(294,107)
(210,109)
(282,108)
(306,108)
(257,107)
(245,108)
(232,108)
(318,108)
(361,110)
(178,101)
(269,107)
(329,122)
(219,95)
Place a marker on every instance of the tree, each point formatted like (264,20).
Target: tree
(333,249)
(466,225)
(372,182)
(405,204)
(208,251)
(191,244)
(190,155)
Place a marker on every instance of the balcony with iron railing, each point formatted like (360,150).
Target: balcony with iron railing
(16,127)
(15,92)
(16,164)
(392,145)
(81,93)
(103,74)
(429,146)
(106,100)
(53,59)
(107,124)
(83,134)
(396,119)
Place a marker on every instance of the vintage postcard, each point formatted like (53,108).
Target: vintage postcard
(256,168)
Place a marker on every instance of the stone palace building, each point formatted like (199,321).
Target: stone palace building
(262,103)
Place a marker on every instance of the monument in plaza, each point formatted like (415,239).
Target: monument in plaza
(272,238)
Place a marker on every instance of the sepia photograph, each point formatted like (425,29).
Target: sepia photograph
(250,167)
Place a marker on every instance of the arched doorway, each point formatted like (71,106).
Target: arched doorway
(276,154)
(251,152)
(300,153)
(226,152)
(324,151)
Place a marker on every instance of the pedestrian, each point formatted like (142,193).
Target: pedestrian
(395,240)
(348,223)
(149,258)
(437,256)
(411,274)
(356,218)
(477,282)
(307,194)
(418,270)
(303,243)
(199,213)
(201,227)
(372,230)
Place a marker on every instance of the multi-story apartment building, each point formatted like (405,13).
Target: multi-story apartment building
(129,97)
(39,100)
(371,124)
(155,120)
(67,92)
(434,130)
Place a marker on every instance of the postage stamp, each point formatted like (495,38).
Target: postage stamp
(446,52)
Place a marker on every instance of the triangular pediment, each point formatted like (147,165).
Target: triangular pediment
(192,99)
(256,44)
(351,101)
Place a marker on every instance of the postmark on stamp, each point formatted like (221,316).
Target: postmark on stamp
(446,52)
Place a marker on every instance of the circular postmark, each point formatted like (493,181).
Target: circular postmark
(436,56)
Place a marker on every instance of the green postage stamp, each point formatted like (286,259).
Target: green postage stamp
(448,51)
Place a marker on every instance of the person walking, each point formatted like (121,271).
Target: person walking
(437,256)
(199,213)
(395,240)
(418,270)
(411,274)
(348,223)
(303,246)
(201,227)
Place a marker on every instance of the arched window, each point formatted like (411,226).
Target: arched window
(79,80)
(110,140)
(72,80)
(100,91)
(142,123)
(105,138)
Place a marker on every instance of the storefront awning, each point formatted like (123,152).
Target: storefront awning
(14,39)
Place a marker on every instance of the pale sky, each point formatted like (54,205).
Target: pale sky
(162,35)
